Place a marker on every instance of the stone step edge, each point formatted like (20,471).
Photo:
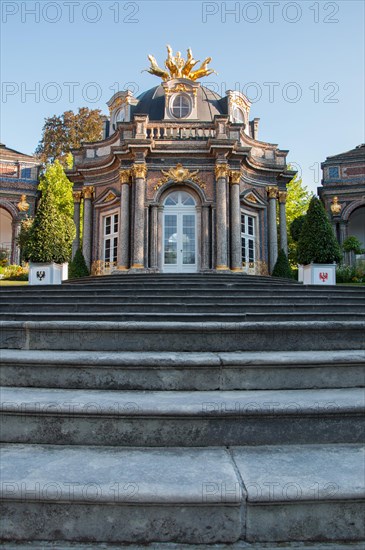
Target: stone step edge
(77,403)
(240,545)
(283,359)
(228,476)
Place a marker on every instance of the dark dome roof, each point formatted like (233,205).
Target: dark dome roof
(152,103)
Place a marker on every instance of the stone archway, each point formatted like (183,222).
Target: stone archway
(9,228)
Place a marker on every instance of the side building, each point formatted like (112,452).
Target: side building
(19,174)
(180,182)
(343,193)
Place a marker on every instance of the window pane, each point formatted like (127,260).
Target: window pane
(108,222)
(115,249)
(170,239)
(115,223)
(107,251)
(188,239)
(180,106)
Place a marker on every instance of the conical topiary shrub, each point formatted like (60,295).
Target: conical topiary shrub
(282,267)
(78,267)
(317,243)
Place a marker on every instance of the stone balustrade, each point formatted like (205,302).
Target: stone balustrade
(166,131)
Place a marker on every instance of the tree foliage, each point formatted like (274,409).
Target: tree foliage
(62,133)
(55,180)
(352,244)
(51,234)
(78,267)
(23,238)
(296,227)
(282,267)
(297,202)
(317,242)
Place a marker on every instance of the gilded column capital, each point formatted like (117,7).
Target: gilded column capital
(235,176)
(77,196)
(221,170)
(272,192)
(88,192)
(139,171)
(124,175)
(282,196)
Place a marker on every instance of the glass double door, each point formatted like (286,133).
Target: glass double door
(179,246)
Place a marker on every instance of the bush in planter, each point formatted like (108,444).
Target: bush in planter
(78,267)
(51,234)
(282,267)
(317,243)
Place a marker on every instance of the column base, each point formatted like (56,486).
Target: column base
(237,269)
(222,268)
(122,268)
(137,266)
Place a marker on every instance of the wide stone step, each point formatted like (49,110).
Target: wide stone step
(175,418)
(182,336)
(197,496)
(183,371)
(239,545)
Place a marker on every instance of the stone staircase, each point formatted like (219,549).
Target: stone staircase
(182,410)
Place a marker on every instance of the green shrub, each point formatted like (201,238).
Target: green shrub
(78,267)
(296,227)
(282,267)
(352,244)
(16,273)
(4,257)
(350,274)
(317,242)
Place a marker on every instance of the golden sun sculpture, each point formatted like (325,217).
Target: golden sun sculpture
(177,67)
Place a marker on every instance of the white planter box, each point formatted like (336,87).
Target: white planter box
(47,273)
(319,274)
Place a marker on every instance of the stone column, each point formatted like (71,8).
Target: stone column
(124,226)
(15,251)
(154,236)
(87,227)
(272,193)
(221,175)
(282,221)
(236,240)
(139,171)
(77,203)
(205,259)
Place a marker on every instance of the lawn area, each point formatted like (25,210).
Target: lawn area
(13,283)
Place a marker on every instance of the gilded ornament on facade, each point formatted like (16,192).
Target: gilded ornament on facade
(180,87)
(23,206)
(179,174)
(221,171)
(110,197)
(88,192)
(336,207)
(272,192)
(235,176)
(124,175)
(239,102)
(177,67)
(77,196)
(282,196)
(139,171)
(118,102)
(251,198)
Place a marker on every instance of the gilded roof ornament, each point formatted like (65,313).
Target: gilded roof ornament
(177,67)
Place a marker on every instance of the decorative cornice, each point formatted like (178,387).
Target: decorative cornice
(272,192)
(221,170)
(88,192)
(124,175)
(235,176)
(282,196)
(77,196)
(139,171)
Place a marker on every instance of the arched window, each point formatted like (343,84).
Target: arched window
(180,106)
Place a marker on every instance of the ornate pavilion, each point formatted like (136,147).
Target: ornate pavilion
(180,181)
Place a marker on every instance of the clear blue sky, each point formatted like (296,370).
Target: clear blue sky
(305,50)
